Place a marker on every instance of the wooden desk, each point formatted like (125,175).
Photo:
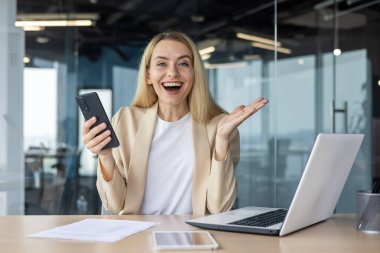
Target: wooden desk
(336,235)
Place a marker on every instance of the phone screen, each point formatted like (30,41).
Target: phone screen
(183,240)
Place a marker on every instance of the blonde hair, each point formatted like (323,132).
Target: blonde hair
(201,104)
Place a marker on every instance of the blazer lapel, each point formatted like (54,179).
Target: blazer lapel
(202,167)
(138,165)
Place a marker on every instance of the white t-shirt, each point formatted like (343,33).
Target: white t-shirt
(170,169)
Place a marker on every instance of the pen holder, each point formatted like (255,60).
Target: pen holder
(368,212)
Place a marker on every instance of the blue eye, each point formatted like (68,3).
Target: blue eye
(184,64)
(161,64)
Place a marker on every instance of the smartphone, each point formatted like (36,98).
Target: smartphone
(91,106)
(183,240)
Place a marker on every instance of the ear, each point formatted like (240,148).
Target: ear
(148,81)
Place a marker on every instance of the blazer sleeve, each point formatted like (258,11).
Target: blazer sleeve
(222,185)
(113,193)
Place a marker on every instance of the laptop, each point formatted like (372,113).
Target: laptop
(315,199)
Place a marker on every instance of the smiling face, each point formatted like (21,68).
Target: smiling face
(171,73)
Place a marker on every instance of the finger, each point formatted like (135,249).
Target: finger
(264,101)
(240,107)
(258,101)
(98,129)
(252,105)
(96,149)
(250,110)
(261,105)
(94,132)
(257,104)
(243,112)
(87,125)
(98,139)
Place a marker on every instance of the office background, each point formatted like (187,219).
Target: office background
(316,61)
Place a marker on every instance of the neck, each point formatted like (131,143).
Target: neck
(172,113)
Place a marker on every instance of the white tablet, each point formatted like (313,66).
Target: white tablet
(183,240)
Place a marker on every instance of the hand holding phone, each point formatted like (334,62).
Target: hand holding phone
(91,106)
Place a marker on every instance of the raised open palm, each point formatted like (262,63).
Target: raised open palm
(231,121)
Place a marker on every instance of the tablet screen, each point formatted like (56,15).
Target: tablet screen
(183,240)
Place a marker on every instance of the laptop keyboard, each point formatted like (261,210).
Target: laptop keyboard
(263,220)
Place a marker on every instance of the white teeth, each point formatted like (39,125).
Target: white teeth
(172,84)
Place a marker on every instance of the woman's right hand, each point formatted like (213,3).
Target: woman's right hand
(94,142)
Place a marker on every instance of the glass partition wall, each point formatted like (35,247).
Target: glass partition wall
(324,86)
(318,80)
(286,55)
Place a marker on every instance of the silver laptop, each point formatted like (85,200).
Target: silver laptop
(315,199)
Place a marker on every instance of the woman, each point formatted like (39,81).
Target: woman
(178,149)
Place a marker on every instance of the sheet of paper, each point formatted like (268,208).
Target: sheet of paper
(96,230)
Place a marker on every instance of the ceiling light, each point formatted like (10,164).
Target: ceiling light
(300,61)
(206,56)
(42,39)
(337,51)
(54,23)
(33,28)
(325,4)
(206,50)
(257,39)
(26,59)
(269,47)
(57,16)
(197,18)
(378,82)
(208,43)
(226,65)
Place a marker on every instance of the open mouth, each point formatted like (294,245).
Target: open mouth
(172,86)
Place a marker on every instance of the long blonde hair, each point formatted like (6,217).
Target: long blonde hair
(201,104)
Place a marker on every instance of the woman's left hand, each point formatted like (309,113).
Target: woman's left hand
(231,121)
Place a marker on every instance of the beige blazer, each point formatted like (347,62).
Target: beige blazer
(214,183)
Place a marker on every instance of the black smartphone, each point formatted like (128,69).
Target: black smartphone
(91,106)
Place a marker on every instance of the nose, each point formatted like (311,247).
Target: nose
(173,71)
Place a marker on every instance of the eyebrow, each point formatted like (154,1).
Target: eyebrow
(179,58)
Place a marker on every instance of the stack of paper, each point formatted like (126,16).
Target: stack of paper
(96,230)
